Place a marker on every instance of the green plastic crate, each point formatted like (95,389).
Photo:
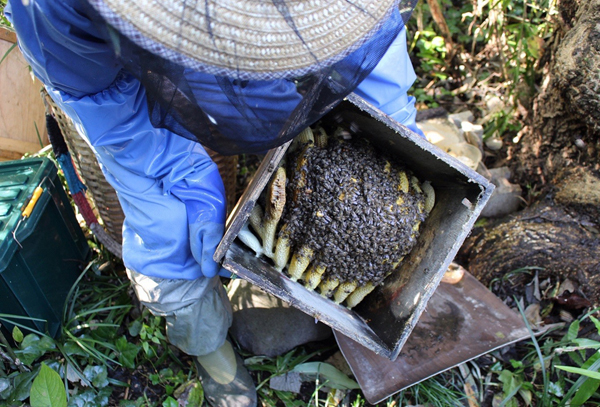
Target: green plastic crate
(41,255)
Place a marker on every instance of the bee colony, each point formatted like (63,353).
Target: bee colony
(338,216)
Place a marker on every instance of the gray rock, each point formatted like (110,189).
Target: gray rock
(494,143)
(473,133)
(265,325)
(288,382)
(498,174)
(459,118)
(506,198)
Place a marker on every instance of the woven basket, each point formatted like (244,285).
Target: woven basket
(228,169)
(101,195)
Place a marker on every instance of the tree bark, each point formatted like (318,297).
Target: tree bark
(558,235)
(558,154)
(564,125)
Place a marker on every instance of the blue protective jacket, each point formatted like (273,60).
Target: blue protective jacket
(169,188)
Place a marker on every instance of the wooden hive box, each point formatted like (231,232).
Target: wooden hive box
(21,107)
(383,321)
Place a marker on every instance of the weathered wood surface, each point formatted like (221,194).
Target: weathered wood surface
(559,235)
(21,107)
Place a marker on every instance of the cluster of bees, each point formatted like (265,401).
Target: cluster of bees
(338,216)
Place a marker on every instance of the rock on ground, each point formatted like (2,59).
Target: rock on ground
(265,325)
(506,198)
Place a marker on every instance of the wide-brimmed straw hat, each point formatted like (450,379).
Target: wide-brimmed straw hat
(260,39)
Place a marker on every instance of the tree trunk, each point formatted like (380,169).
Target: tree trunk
(564,128)
(557,235)
(558,154)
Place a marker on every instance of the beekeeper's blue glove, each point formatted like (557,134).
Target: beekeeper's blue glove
(170,190)
(387,85)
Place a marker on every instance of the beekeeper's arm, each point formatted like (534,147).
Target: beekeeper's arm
(387,85)
(169,188)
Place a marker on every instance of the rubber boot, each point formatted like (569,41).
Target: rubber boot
(225,380)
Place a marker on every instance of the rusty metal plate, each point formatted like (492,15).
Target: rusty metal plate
(461,322)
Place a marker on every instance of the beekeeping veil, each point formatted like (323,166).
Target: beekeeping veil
(248,75)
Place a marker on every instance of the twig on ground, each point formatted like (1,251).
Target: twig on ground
(10,356)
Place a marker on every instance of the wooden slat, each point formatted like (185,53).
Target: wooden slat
(6,155)
(21,146)
(21,106)
(8,35)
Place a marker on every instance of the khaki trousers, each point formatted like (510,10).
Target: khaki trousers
(197,312)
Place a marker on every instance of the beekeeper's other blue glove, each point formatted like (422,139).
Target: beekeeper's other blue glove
(387,85)
(169,188)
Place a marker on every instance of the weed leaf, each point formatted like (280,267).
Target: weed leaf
(289,399)
(135,328)
(336,379)
(195,396)
(47,389)
(91,398)
(510,386)
(583,372)
(7,52)
(585,391)
(22,386)
(592,359)
(596,322)
(17,334)
(587,343)
(573,331)
(4,387)
(98,375)
(73,349)
(127,352)
(555,389)
(33,347)
(170,402)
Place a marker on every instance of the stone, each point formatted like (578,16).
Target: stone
(494,104)
(494,143)
(265,325)
(497,174)
(473,134)
(475,129)
(443,133)
(287,382)
(506,198)
(459,118)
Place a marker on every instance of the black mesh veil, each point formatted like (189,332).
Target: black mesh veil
(235,113)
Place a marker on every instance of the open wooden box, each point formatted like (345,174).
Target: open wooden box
(383,321)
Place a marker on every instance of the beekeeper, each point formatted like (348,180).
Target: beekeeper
(148,83)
